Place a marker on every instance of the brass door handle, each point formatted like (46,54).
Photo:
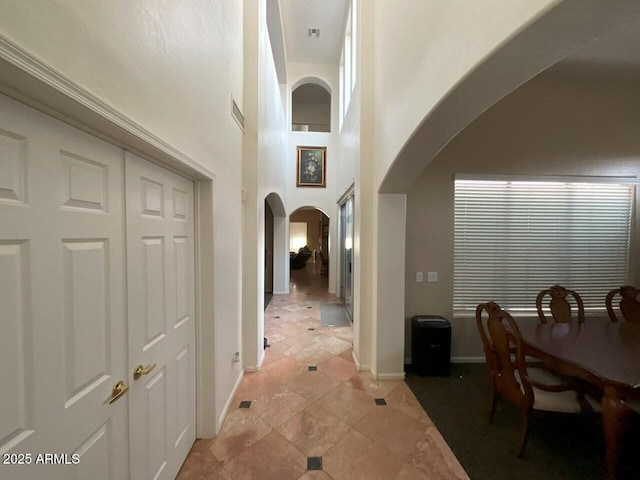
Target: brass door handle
(119,389)
(140,370)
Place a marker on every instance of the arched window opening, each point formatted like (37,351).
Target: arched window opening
(311,109)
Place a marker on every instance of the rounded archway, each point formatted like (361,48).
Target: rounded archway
(560,31)
(311,106)
(309,241)
(275,247)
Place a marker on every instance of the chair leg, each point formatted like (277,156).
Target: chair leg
(492,403)
(525,431)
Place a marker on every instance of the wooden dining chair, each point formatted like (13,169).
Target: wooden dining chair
(629,304)
(324,265)
(559,306)
(527,388)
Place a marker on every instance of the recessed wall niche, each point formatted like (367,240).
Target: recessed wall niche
(310,109)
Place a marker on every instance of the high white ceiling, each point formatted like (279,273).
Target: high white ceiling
(330,16)
(616,55)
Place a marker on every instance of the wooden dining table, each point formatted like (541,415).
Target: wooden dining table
(602,353)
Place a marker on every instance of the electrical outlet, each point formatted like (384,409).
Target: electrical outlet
(419,277)
(432,276)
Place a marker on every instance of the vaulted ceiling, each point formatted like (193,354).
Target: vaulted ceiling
(329,16)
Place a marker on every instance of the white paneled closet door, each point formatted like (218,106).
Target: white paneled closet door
(63,339)
(161,310)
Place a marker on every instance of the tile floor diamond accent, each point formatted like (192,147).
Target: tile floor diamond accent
(359,457)
(315,475)
(314,430)
(200,461)
(296,414)
(338,368)
(312,385)
(279,406)
(314,463)
(271,458)
(241,429)
(392,429)
(347,403)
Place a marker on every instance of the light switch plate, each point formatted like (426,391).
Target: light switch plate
(432,276)
(419,277)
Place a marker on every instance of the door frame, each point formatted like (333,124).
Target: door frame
(349,193)
(28,80)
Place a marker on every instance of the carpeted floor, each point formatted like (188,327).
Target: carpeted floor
(561,447)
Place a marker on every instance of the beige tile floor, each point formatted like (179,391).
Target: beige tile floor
(330,413)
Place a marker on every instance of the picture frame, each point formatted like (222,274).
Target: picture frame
(311,167)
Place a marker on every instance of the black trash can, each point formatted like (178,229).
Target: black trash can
(431,345)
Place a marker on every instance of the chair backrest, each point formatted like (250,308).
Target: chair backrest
(559,305)
(502,346)
(629,304)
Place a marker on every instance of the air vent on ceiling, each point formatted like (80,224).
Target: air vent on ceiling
(236,113)
(314,32)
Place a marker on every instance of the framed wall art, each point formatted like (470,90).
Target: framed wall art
(311,171)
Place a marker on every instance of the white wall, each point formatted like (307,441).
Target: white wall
(550,126)
(322,198)
(173,71)
(263,174)
(423,48)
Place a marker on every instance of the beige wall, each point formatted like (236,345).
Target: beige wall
(550,126)
(316,115)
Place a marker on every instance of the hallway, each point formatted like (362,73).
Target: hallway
(309,409)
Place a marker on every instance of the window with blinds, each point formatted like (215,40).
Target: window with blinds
(515,238)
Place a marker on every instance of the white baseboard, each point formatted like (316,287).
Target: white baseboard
(256,368)
(361,368)
(227,405)
(390,376)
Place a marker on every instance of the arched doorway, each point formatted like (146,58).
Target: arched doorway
(268,253)
(345,241)
(275,246)
(309,241)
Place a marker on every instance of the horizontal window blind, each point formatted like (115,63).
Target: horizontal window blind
(515,238)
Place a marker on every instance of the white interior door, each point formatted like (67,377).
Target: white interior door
(62,316)
(160,270)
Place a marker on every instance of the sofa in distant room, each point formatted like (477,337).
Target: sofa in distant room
(299,260)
